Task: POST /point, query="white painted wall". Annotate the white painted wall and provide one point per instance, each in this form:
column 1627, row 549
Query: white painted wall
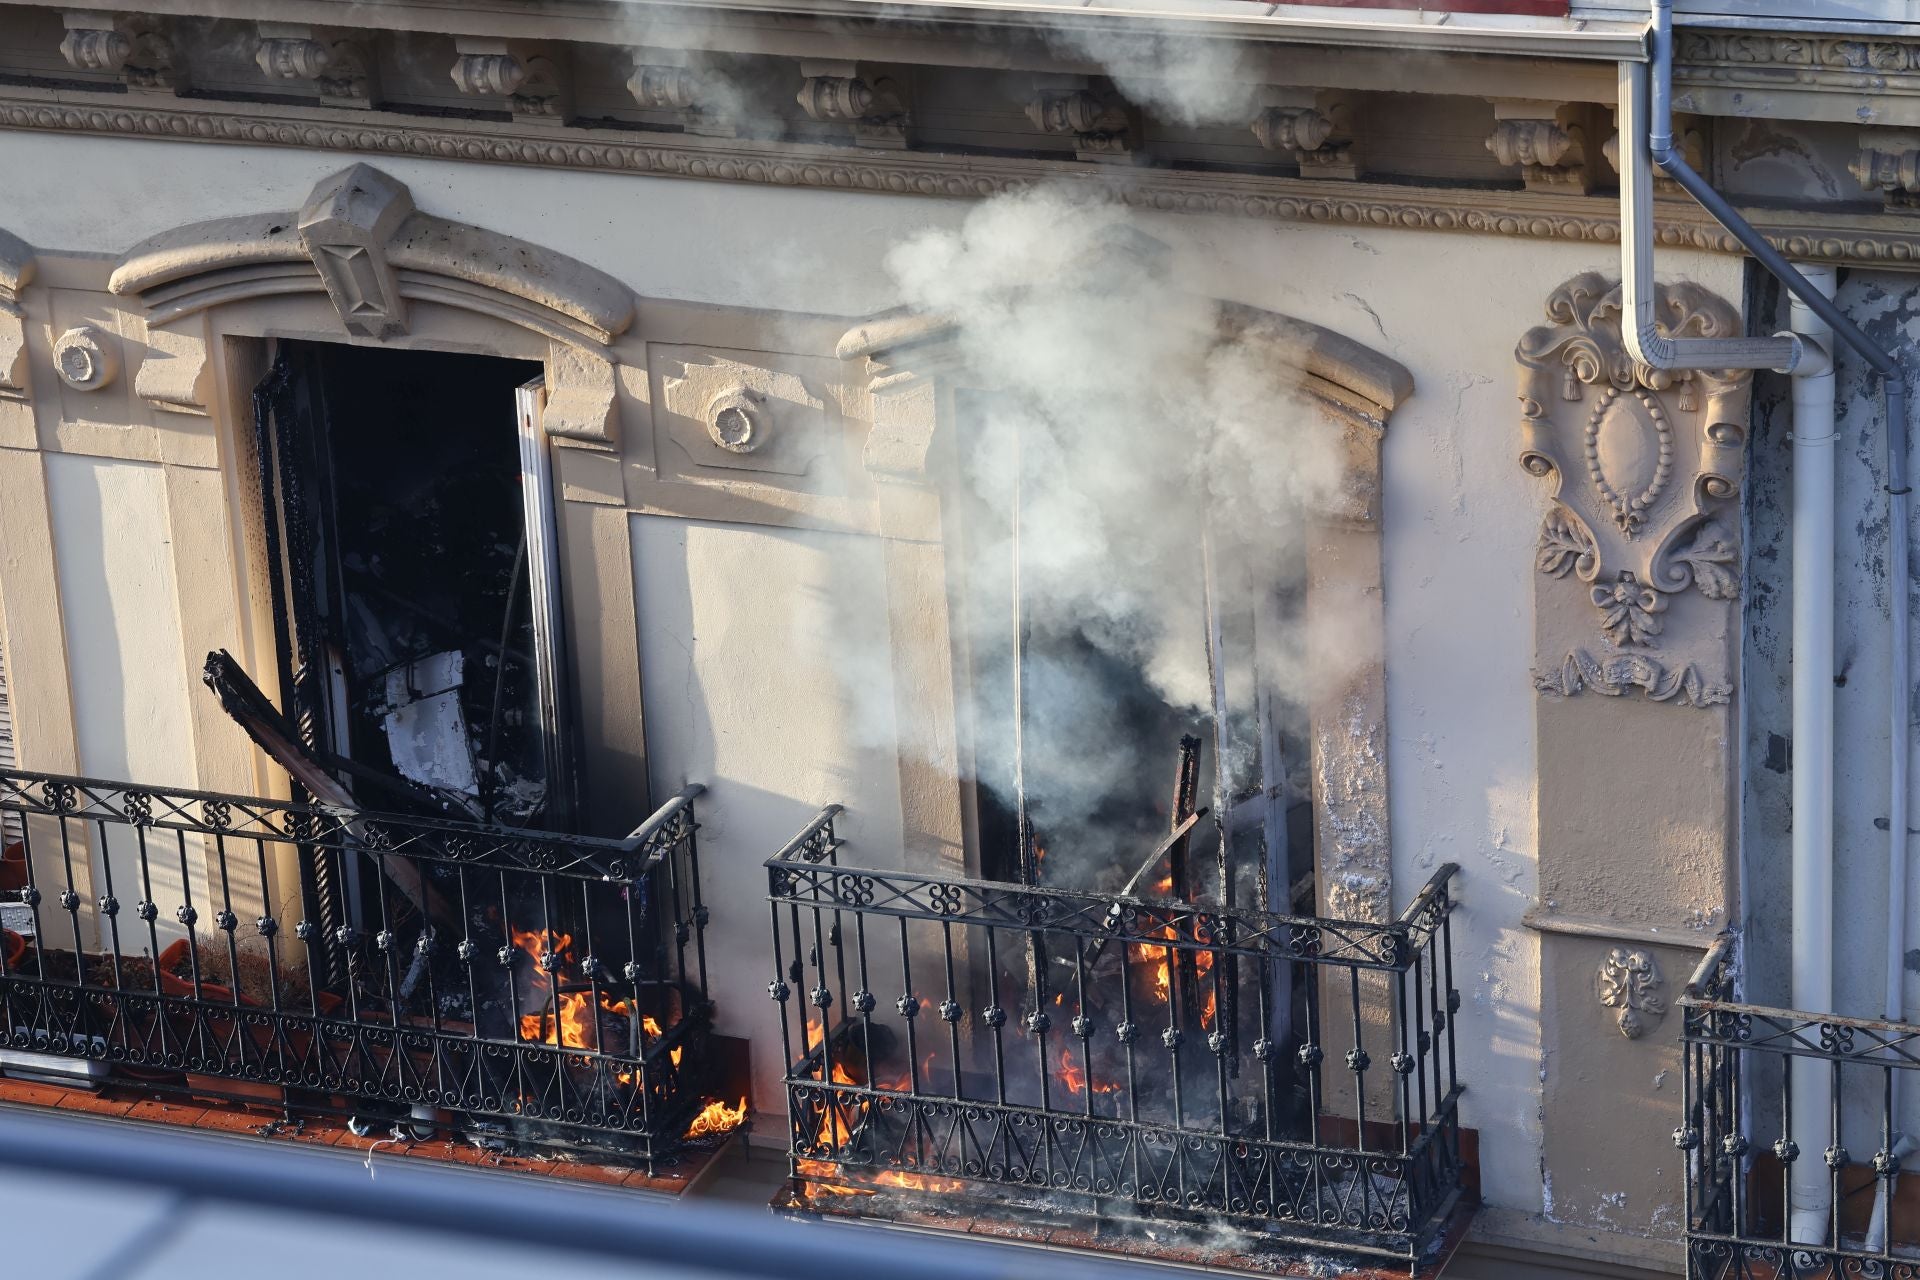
column 121, row 615
column 1460, row 514
column 744, row 636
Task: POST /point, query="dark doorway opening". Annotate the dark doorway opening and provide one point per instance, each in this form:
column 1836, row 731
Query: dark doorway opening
column 404, row 541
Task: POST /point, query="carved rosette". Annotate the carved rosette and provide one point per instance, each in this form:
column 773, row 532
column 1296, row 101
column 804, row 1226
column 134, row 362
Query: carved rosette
column 1645, row 468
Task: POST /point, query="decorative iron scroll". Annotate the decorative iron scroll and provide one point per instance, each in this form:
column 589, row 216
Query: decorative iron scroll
column 1645, row 468
column 536, row 987
column 1738, row 1151
column 947, row 1034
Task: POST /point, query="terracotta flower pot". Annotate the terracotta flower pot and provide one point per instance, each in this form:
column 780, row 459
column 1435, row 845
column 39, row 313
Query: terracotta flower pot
column 12, row 948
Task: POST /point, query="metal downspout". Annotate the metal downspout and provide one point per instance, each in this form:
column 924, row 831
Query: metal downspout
column 1646, row 130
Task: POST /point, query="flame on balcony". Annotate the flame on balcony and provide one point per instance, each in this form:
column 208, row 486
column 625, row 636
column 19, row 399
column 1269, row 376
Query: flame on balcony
column 717, row 1118
column 570, row 1022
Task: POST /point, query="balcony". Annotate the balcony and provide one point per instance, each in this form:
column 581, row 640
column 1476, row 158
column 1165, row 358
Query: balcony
column 1778, row 1099
column 1138, row 1065
column 515, row 986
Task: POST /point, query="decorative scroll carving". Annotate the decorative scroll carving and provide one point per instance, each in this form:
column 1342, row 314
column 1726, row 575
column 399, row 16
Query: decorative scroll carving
column 339, row 69
column 1101, row 126
column 1645, row 466
column 1623, row 673
column 136, row 48
column 1629, row 981
column 1310, row 125
column 693, row 93
column 1530, row 142
column 1889, row 162
column 1546, row 141
column 484, row 68
column 291, row 57
column 837, row 91
column 96, row 49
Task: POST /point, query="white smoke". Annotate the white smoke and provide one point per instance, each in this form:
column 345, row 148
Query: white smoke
column 1177, row 76
column 1120, row 427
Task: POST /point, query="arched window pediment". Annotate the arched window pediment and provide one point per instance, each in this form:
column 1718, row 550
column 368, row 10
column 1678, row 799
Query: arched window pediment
column 360, row 241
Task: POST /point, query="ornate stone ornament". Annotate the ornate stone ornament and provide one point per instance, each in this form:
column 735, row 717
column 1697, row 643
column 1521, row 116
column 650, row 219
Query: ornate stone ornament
column 1097, row 120
column 1645, row 468
column 85, row 358
column 1629, row 982
column 841, row 91
column 736, row 422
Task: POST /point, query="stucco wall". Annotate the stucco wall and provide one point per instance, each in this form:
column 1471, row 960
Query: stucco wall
column 1460, row 515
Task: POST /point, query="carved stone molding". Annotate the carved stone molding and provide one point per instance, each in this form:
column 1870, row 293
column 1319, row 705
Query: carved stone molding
column 1842, row 238
column 1846, row 80
column 1645, row 468
column 360, row 242
column 16, row 273
column 1628, row 981
column 839, row 92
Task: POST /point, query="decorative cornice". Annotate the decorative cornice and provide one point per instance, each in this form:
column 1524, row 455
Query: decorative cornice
column 1847, row 239
column 1882, row 64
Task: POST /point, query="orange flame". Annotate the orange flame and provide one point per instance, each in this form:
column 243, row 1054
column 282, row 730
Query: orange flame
column 652, row 1028
column 1075, row 1079
column 717, row 1117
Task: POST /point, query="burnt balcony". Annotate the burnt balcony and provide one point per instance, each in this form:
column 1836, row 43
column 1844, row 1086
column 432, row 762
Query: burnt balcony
column 515, row 986
column 1790, row 1108
column 1129, row 1062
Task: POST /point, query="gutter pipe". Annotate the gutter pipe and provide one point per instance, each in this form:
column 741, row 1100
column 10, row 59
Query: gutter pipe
column 1646, row 130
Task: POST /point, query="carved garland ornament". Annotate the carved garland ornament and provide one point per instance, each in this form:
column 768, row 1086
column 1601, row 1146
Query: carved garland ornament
column 1629, row 981
column 1646, row 513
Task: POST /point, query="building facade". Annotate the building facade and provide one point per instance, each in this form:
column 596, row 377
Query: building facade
column 1078, row 447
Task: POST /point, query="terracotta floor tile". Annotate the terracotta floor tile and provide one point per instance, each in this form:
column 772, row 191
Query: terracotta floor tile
column 233, row 1120
column 159, row 1112
column 31, row 1093
column 671, row 1183
column 582, row 1171
column 96, row 1104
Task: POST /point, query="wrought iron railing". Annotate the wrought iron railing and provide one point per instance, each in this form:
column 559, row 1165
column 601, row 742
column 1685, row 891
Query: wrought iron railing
column 1295, row 1075
column 1772, row 1096
column 529, row 986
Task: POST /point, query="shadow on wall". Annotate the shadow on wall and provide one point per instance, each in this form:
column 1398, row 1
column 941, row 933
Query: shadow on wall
column 746, row 636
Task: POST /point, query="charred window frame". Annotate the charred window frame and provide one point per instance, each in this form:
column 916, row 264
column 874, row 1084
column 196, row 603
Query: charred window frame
column 413, row 580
